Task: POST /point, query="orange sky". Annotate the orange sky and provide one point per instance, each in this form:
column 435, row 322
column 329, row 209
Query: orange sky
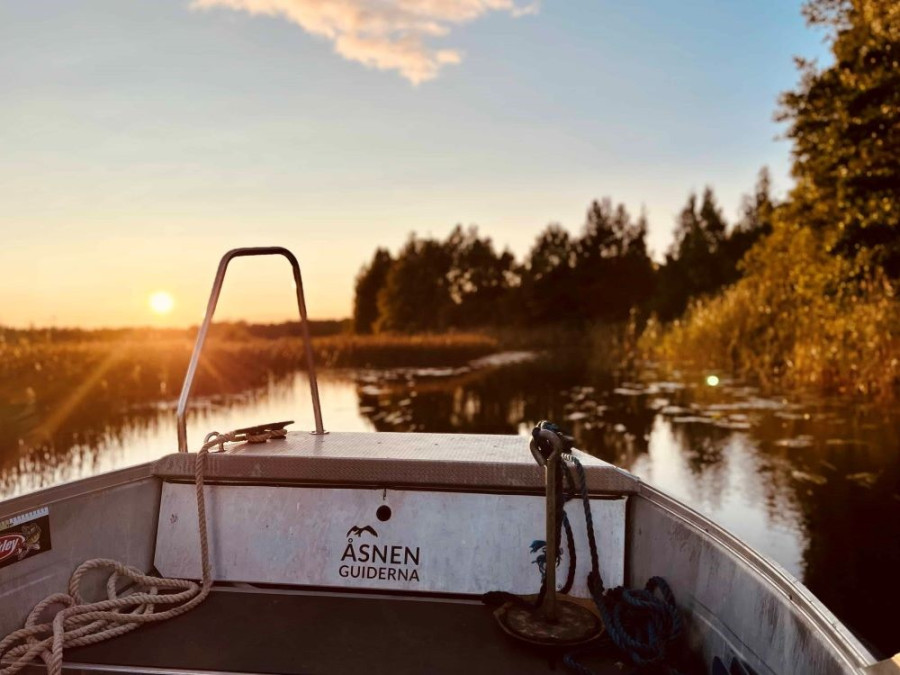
column 110, row 283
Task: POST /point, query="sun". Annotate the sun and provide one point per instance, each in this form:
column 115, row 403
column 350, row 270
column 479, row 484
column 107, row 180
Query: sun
column 161, row 302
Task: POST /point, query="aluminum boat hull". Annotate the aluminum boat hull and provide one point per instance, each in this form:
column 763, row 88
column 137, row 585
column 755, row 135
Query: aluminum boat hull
column 281, row 519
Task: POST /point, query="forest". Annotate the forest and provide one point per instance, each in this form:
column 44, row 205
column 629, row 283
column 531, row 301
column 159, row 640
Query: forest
column 797, row 292
column 603, row 274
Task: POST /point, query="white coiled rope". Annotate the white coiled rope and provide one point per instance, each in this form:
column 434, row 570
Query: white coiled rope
column 78, row 623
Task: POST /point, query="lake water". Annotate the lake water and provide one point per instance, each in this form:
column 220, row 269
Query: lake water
column 813, row 483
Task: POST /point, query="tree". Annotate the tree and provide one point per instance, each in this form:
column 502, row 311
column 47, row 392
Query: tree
column 758, row 212
column 416, row 295
column 369, row 282
column 697, row 263
column 612, row 269
column 636, row 271
column 844, row 121
column 816, row 304
column 478, row 278
column 549, row 294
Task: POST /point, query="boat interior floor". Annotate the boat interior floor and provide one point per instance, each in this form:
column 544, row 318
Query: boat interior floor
column 273, row 631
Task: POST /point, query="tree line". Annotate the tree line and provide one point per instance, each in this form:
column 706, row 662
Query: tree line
column 828, row 249
column 602, row 274
column 817, row 302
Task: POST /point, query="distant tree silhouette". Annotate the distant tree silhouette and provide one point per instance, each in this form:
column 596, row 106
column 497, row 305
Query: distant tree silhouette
column 637, row 272
column 416, row 294
column 697, row 263
column 758, row 211
column 603, row 275
column 549, row 292
column 613, row 272
column 479, row 280
column 369, row 282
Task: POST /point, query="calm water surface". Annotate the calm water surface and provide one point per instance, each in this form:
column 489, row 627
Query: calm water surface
column 814, row 484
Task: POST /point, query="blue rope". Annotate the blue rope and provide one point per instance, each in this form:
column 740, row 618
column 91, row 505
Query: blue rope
column 642, row 623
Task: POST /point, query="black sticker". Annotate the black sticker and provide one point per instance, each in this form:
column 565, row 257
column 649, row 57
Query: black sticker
column 24, row 536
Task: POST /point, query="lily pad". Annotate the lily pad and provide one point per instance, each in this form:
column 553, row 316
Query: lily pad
column 817, row 479
column 865, row 479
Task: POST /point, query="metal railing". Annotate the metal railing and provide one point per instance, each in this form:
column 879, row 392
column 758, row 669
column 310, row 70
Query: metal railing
column 207, row 320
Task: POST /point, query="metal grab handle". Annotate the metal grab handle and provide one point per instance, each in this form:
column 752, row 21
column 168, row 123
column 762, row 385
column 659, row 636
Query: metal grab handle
column 207, row 320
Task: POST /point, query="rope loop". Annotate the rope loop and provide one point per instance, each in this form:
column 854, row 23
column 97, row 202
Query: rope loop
column 642, row 623
column 65, row 620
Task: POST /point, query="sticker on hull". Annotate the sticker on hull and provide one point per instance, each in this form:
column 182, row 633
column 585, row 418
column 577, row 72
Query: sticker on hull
column 370, row 560
column 24, row 536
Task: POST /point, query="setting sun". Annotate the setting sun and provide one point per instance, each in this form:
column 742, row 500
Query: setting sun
column 161, row 302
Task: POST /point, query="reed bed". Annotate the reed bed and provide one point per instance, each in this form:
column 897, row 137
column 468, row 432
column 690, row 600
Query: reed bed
column 37, row 371
column 801, row 318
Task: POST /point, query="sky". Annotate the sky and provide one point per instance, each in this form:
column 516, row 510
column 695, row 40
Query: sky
column 141, row 139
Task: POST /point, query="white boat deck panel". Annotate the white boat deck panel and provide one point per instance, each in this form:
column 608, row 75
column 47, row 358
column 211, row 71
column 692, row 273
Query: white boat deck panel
column 451, row 461
column 446, row 508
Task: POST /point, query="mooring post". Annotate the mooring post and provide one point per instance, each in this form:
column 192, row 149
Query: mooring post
column 557, row 621
column 551, row 473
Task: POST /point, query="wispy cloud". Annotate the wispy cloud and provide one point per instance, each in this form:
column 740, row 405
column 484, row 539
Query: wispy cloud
column 383, row 34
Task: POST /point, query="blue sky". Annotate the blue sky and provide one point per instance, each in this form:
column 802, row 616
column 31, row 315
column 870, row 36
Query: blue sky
column 142, row 138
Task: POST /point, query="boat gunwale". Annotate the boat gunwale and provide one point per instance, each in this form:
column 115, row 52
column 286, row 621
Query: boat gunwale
column 53, row 494
column 842, row 640
column 244, row 464
column 76, row 666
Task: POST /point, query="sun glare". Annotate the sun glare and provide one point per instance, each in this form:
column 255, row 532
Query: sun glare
column 161, row 302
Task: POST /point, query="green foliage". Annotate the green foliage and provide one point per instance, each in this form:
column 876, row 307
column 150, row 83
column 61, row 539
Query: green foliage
column 806, row 288
column 434, row 285
column 462, row 282
column 479, row 279
column 794, row 320
column 802, row 315
column 599, row 276
column 613, row 272
column 416, row 293
column 369, row 282
column 698, row 263
column 845, row 125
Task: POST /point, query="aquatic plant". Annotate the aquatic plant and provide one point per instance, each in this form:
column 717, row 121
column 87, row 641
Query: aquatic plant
column 801, row 317
column 51, row 377
column 817, row 305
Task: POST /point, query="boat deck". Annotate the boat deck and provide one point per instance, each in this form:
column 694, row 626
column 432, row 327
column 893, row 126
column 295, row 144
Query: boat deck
column 474, row 462
column 272, row 631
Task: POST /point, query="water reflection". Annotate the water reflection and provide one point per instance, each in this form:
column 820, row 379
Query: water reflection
column 93, row 439
column 813, row 483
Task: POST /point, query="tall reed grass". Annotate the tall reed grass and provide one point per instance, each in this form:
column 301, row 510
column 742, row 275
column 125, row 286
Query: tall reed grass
column 121, row 372
column 800, row 317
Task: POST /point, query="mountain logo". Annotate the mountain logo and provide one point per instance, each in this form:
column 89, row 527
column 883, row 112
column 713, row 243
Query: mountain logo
column 356, row 530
